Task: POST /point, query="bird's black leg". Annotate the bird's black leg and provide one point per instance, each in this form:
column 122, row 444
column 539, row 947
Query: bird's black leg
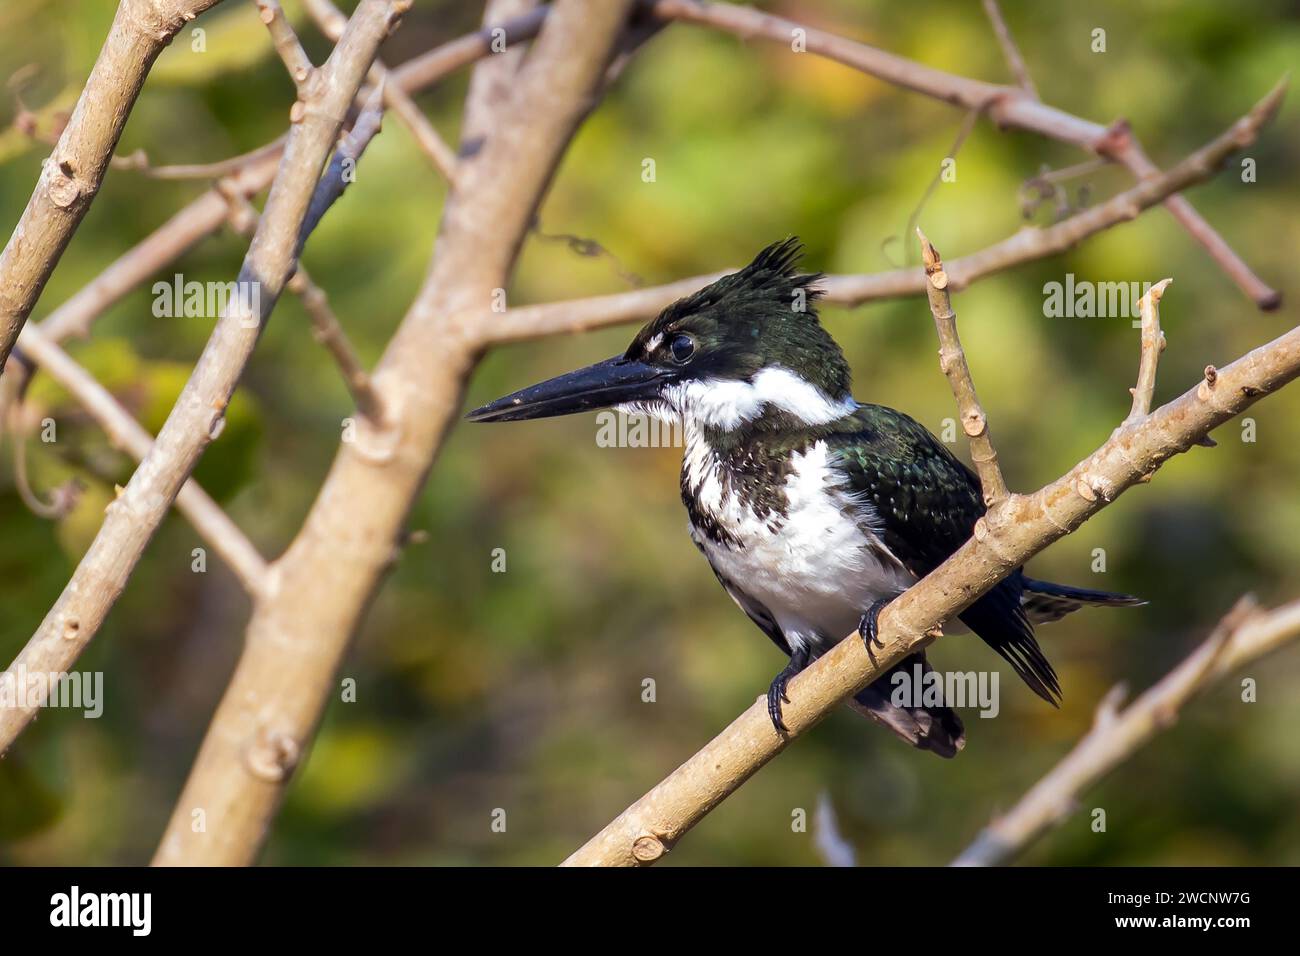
column 868, row 627
column 776, row 691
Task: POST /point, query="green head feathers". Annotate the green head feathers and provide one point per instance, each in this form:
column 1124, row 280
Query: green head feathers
column 763, row 316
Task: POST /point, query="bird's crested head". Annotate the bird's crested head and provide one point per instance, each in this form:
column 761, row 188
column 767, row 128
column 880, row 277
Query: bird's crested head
column 745, row 347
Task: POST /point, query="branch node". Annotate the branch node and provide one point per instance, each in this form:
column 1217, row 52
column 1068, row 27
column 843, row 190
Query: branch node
column 272, row 756
column 648, row 848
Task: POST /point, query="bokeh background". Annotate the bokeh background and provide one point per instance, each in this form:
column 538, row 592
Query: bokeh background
column 522, row 690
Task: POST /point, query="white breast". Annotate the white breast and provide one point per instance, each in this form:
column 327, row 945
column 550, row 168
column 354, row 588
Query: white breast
column 818, row 568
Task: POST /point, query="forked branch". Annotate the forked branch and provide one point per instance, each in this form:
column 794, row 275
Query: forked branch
column 72, row 175
column 1245, row 635
column 198, row 415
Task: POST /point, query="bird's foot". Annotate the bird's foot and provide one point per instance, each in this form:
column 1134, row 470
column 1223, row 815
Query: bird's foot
column 776, row 690
column 868, row 627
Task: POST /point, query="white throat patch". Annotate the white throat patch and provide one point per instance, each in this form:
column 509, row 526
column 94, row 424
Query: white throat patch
column 726, row 404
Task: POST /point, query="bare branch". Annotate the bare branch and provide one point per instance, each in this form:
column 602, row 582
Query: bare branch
column 1153, row 343
column 1027, row 245
column 426, row 69
column 331, row 23
column 418, row 73
column 1014, row 530
column 124, row 432
column 1009, row 49
column 326, row 327
column 198, row 416
column 328, row 331
column 1245, row 635
column 329, row 573
column 286, row 42
column 248, row 175
column 138, row 162
column 1007, row 106
column 137, row 265
column 72, row 175
column 952, row 361
column 492, row 81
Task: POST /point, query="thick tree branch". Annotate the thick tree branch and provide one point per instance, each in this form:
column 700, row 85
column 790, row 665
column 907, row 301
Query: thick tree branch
column 493, row 79
column 1011, row 532
column 198, row 415
column 1027, row 245
column 952, row 362
column 245, row 176
column 327, row 577
column 1245, row 635
column 1007, row 106
column 72, row 175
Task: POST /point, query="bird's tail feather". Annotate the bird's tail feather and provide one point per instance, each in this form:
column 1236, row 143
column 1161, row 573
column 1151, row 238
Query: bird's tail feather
column 934, row 728
column 1044, row 601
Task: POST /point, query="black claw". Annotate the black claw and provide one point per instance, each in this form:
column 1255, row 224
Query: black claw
column 868, row 627
column 775, row 694
column 776, row 690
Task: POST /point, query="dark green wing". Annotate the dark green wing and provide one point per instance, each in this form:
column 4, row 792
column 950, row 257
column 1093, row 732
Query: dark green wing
column 926, row 504
column 927, row 500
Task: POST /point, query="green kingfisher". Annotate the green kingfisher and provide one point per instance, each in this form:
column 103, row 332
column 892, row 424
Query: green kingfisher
column 813, row 509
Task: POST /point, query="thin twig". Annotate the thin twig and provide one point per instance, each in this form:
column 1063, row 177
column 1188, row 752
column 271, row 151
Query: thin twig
column 328, row 331
column 326, row 328
column 331, row 22
column 1009, row 50
column 1026, row 245
column 286, row 42
column 62, row 499
column 963, row 132
column 1245, row 635
column 138, row 161
column 952, row 361
column 1006, row 106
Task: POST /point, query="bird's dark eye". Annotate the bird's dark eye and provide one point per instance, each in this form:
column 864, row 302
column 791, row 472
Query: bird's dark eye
column 683, row 347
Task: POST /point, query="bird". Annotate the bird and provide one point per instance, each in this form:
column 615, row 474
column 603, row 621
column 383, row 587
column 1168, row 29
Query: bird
column 814, row 510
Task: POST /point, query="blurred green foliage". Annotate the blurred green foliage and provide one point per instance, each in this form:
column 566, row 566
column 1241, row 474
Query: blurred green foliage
column 522, row 690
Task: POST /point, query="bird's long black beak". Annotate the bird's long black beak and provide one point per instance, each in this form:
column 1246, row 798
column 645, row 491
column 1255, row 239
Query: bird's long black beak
column 611, row 382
